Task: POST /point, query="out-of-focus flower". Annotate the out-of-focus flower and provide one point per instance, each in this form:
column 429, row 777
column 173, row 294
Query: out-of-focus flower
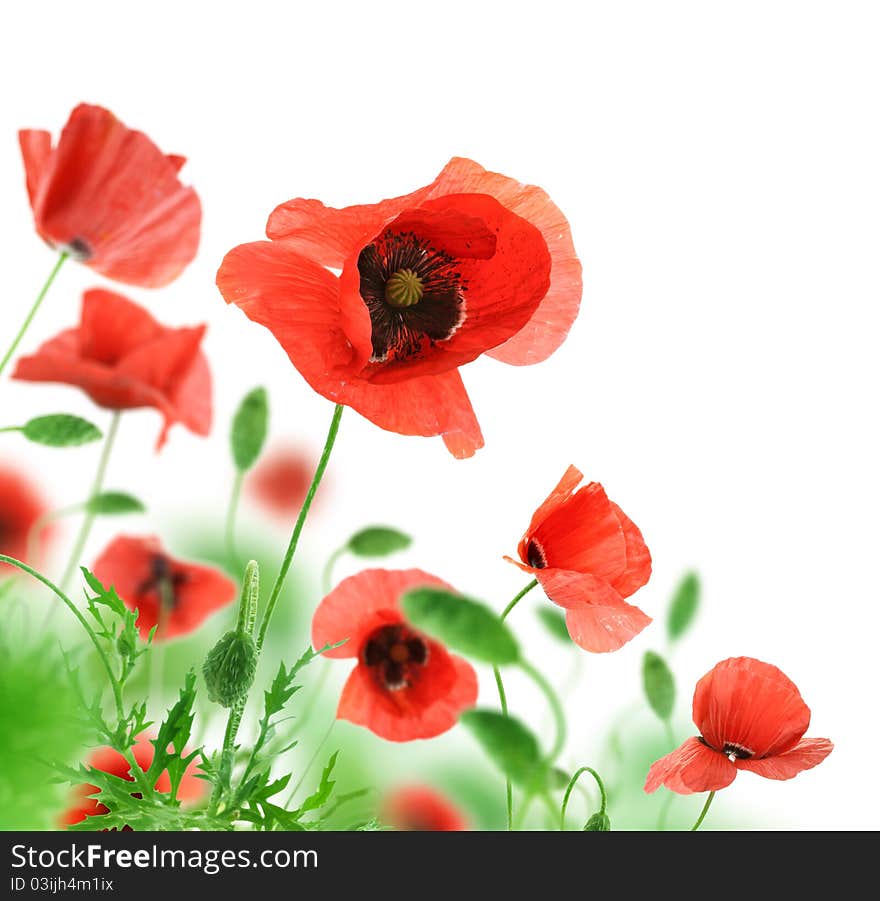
column 474, row 263
column 588, row 556
column 280, row 480
column 124, row 359
column 418, row 808
column 405, row 685
column 173, row 594
column 111, row 199
column 751, row 717
column 107, row 760
column 20, row 507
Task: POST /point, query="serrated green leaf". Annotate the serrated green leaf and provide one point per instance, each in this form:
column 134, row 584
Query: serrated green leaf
column 659, row 684
column 462, row 624
column 114, row 503
column 554, row 622
column 173, row 734
column 322, row 794
column 61, row 430
column 509, row 744
column 683, row 607
column 378, row 541
column 249, row 427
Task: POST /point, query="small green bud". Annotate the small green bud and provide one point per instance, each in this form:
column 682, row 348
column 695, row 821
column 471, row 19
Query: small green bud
column 124, row 644
column 230, row 668
column 598, row 822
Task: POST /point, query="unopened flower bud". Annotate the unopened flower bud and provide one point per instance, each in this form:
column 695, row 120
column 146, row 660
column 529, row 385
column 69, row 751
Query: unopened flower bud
column 125, row 644
column 598, row 822
column 230, row 668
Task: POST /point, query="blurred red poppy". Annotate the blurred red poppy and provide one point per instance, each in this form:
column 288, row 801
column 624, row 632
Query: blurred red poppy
column 417, row 808
column 107, row 760
column 20, row 507
column 281, row 479
column 405, row 685
column 473, row 263
column 110, row 198
column 588, row 556
column 751, row 717
column 172, row 594
column 124, row 359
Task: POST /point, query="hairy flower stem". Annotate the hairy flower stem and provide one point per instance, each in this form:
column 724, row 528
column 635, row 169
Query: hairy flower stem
column 570, row 789
column 502, row 695
column 89, row 520
column 33, row 312
column 300, row 522
column 703, row 812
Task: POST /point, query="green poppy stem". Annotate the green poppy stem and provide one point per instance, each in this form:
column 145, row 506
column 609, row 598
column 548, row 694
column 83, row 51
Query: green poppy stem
column 703, row 812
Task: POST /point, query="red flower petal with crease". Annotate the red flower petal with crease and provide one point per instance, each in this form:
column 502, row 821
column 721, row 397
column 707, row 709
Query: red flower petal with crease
column 20, row 507
column 751, row 717
column 405, row 686
column 124, row 359
column 474, row 263
column 172, row 594
column 417, row 808
column 109, row 197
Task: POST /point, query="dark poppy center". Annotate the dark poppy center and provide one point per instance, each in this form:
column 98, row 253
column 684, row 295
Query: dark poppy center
column 78, row 249
column 395, row 654
column 535, row 555
column 164, row 581
column 414, row 293
column 740, row 752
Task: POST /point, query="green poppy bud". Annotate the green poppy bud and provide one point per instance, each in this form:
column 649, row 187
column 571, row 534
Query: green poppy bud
column 598, row 822
column 230, row 668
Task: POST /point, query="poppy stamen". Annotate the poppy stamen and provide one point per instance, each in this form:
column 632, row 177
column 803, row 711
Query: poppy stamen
column 535, row 555
column 395, row 653
column 735, row 751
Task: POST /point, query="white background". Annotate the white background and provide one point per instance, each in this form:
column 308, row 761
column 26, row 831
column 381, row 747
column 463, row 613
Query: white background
column 719, row 166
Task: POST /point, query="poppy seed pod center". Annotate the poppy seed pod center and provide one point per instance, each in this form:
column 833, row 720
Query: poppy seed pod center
column 164, row 581
column 395, row 654
column 404, row 288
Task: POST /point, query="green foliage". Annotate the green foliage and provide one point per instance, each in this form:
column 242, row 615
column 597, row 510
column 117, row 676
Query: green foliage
column 659, row 684
column 378, row 541
column 510, row 745
column 598, row 822
column 114, row 503
column 230, row 667
column 249, row 428
column 683, row 607
column 462, row 624
column 554, row 623
column 60, row 430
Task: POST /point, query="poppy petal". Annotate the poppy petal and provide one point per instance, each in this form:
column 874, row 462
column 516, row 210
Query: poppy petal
column 752, row 704
column 362, row 603
column 551, row 322
column 557, row 497
column 111, row 190
column 691, row 768
column 36, row 152
column 638, row 557
column 806, row 754
column 419, row 808
column 112, row 326
column 20, row 508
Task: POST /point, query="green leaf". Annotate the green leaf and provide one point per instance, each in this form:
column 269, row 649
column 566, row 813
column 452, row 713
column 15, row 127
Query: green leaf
column 510, row 745
column 114, row 503
column 659, row 684
column 60, row 430
column 463, row 624
column 554, row 622
column 174, row 734
column 249, row 427
column 683, row 607
column 321, row 795
column 378, row 541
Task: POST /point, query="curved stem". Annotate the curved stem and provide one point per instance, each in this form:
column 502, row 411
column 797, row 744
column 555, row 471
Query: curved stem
column 570, row 789
column 105, row 660
column 300, row 522
column 33, row 311
column 555, row 705
column 327, row 575
column 518, row 598
column 502, row 696
column 86, row 528
column 235, row 497
column 703, row 812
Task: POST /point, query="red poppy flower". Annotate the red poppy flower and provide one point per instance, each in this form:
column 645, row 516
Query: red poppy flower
column 417, row 808
column 473, row 263
column 175, row 595
column 124, row 359
column 588, row 556
column 107, row 760
column 751, row 717
column 20, row 507
column 405, row 685
column 281, row 479
column 110, row 198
